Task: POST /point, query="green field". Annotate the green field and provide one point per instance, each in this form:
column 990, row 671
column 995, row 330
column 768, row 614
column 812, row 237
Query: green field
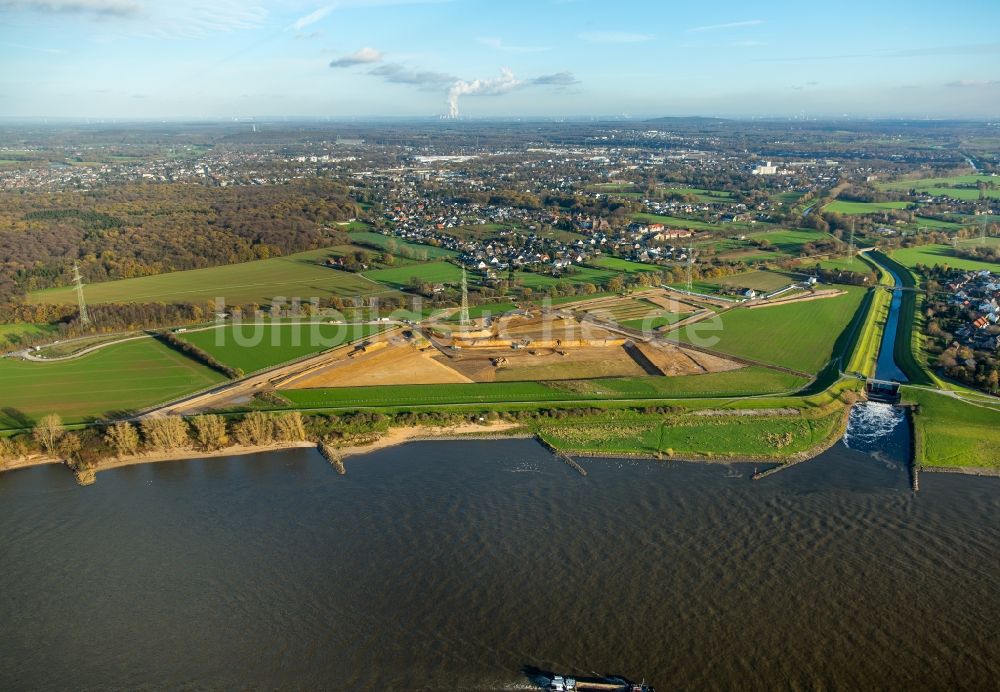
column 847, row 264
column 923, row 222
column 676, row 222
column 787, row 197
column 122, row 377
column 253, row 347
column 622, row 266
column 980, row 242
column 22, row 329
column 962, row 193
column 790, row 241
column 431, row 273
column 802, row 336
column 490, row 309
column 950, row 432
column 707, row 196
column 929, row 183
column 300, row 275
column 579, row 275
column 763, row 280
column 931, row 255
column 745, row 382
column 742, row 437
column 859, row 208
column 404, row 248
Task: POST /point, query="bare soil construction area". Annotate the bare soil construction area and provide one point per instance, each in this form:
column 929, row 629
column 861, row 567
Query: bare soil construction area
column 513, row 348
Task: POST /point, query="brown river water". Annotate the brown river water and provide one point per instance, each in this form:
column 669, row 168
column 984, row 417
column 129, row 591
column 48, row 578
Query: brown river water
column 457, row 565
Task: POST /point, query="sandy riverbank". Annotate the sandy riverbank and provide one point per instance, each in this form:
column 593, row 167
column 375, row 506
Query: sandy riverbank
column 395, row 436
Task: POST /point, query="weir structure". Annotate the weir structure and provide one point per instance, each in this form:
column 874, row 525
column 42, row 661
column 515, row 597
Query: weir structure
column 885, row 391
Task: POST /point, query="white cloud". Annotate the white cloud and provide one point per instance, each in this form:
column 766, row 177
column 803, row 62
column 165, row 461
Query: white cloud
column 727, row 25
column 974, row 83
column 499, row 44
column 153, row 19
column 614, row 37
column 362, row 56
column 120, row 8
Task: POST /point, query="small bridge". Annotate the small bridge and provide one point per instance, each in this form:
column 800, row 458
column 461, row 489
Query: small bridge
column 885, row 391
column 912, row 289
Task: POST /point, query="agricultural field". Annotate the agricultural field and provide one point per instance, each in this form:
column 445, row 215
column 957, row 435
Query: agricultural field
column 790, row 241
column 580, row 275
column 950, row 432
column 253, row 347
column 404, row 248
column 676, row 222
column 707, row 196
column 787, row 197
column 860, row 208
column 931, row 183
column 923, row 222
column 117, row 378
column 847, row 264
column 10, row 333
column 746, row 381
column 802, row 336
column 622, row 266
column 432, row 273
column 762, row 280
column 611, row 187
column 931, row 255
column 636, row 310
column 962, row 193
column 980, row 242
column 301, row 275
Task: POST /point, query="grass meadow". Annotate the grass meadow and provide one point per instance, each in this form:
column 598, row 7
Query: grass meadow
column 253, row 347
column 122, row 377
column 860, row 208
column 300, row 275
column 931, row 255
column 801, row 336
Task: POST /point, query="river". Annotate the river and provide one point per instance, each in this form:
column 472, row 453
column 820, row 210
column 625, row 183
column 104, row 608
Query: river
column 452, row 565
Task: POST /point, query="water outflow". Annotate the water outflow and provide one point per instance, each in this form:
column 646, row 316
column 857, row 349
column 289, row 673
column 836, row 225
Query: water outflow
column 876, row 428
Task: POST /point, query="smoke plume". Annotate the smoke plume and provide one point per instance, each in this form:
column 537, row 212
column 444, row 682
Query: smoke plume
column 497, row 85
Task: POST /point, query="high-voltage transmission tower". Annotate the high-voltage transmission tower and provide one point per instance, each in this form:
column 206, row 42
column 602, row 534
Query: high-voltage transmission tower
column 464, row 317
column 690, row 263
column 78, row 282
column 850, row 249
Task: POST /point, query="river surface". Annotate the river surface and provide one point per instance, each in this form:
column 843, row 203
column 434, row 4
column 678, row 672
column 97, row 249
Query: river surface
column 453, row 565
column 886, row 367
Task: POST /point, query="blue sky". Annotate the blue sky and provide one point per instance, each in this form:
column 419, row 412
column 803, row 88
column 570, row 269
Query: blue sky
column 240, row 58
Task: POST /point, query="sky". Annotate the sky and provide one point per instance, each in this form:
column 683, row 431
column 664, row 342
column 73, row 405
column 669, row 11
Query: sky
column 498, row 58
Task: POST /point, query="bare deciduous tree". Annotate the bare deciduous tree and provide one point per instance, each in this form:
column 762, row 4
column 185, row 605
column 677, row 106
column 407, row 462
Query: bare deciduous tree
column 123, row 437
column 48, row 431
column 211, row 431
column 255, row 429
column 288, row 427
column 165, row 433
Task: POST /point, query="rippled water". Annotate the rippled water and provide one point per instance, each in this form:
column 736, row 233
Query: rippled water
column 442, row 566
